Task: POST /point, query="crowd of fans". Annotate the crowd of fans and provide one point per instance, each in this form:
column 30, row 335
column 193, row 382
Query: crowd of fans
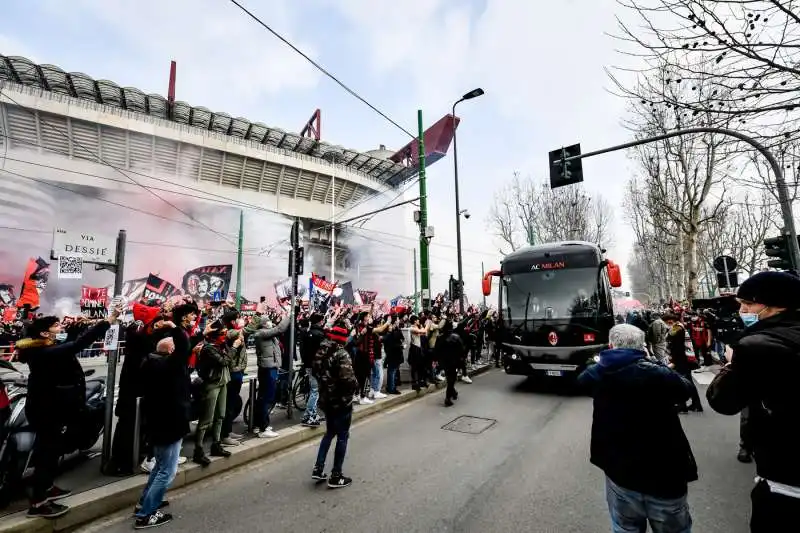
column 188, row 362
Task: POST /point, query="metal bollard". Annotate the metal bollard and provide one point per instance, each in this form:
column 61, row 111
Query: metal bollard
column 252, row 393
column 137, row 428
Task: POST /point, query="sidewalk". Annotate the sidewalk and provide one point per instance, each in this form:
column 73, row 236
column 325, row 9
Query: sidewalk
column 95, row 495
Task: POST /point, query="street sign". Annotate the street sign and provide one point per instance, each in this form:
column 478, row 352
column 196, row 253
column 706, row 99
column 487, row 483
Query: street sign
column 564, row 172
column 725, row 263
column 89, row 246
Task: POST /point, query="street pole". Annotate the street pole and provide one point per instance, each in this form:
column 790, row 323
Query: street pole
column 780, row 182
column 113, row 355
column 458, row 213
column 239, row 257
column 333, row 226
column 423, row 218
column 416, row 290
column 295, row 240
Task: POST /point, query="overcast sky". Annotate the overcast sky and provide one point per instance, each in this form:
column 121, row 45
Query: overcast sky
column 540, row 63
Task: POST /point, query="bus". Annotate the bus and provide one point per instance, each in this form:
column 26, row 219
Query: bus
column 555, row 307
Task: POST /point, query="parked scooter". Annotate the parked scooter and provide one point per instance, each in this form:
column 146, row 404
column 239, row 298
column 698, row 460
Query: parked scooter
column 17, row 437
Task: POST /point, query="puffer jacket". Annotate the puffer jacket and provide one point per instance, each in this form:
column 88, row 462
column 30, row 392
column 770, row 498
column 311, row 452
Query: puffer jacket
column 773, row 398
column 268, row 349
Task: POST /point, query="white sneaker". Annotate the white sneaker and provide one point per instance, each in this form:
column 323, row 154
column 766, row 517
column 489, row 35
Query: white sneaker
column 148, row 466
column 365, row 401
column 440, row 378
column 466, row 379
column 371, row 395
column 181, row 460
column 268, row 434
column 378, row 395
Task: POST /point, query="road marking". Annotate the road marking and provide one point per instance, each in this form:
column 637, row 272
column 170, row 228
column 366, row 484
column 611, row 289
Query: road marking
column 703, row 378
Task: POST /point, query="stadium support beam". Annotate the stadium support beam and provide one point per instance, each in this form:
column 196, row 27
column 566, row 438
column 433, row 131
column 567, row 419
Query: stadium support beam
column 173, row 67
column 313, row 128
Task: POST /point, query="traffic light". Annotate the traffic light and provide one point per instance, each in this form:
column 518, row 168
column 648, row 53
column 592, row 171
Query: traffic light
column 564, row 172
column 778, row 247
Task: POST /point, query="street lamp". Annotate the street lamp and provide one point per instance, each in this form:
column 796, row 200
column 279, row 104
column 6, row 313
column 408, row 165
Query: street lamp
column 474, row 93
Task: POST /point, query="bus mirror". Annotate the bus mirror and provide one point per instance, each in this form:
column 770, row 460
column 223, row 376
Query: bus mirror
column 614, row 275
column 486, row 286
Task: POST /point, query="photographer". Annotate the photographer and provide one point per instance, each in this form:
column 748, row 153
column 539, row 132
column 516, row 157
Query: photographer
column 769, row 303
column 56, row 393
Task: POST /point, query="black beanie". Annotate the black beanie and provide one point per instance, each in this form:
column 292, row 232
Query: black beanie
column 773, row 289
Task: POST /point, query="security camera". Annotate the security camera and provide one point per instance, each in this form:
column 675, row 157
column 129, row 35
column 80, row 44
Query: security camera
column 466, row 214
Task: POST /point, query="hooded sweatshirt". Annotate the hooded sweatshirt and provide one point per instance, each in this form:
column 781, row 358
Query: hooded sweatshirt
column 763, row 376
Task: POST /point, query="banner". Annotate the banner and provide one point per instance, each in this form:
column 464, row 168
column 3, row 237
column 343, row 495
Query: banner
column 283, row 289
column 9, row 314
column 367, row 297
column 94, row 302
column 249, row 309
column 7, row 296
column 208, row 283
column 320, row 293
column 133, row 289
column 348, row 296
column 158, row 290
column 34, row 283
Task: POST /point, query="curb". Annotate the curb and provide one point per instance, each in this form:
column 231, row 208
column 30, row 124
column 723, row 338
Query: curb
column 96, row 503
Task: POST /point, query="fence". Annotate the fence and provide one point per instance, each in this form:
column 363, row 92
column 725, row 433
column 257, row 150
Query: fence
column 95, row 350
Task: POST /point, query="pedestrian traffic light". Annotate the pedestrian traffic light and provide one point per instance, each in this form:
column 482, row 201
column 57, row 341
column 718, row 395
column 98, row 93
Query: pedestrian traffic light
column 563, row 172
column 778, row 247
column 296, row 266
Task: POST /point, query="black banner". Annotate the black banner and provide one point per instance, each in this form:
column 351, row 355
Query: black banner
column 158, row 290
column 208, row 283
column 7, row 296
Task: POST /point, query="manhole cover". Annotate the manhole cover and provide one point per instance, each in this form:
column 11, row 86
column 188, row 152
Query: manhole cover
column 473, row 425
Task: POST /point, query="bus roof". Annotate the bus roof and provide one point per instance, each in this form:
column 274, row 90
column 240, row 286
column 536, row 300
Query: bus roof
column 561, row 248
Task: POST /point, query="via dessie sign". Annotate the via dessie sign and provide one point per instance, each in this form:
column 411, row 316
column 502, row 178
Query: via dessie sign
column 89, row 246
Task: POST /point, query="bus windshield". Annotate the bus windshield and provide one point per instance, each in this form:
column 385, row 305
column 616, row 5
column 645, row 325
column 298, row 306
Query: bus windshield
column 550, row 294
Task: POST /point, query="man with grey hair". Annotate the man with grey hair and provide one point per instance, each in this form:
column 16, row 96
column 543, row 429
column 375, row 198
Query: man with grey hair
column 634, row 406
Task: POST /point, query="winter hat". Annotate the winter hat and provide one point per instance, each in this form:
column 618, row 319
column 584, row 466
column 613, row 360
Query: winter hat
column 337, row 334
column 773, row 289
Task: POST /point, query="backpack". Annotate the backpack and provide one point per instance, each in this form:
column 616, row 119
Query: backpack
column 326, row 370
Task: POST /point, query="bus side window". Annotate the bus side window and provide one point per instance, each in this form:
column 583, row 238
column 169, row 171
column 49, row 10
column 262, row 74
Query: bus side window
column 605, row 288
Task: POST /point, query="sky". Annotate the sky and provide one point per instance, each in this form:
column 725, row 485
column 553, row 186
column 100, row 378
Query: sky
column 541, row 65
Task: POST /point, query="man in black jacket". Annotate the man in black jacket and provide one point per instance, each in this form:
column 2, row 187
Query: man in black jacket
column 56, row 393
column 167, row 411
column 762, row 376
column 634, row 406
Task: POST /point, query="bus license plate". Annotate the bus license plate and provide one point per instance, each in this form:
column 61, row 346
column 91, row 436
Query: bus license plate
column 554, row 373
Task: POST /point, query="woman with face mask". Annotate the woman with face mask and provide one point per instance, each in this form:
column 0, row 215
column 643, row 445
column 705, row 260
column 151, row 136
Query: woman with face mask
column 56, row 392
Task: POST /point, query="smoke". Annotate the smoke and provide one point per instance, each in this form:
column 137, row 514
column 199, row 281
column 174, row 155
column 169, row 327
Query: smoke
column 173, row 244
column 66, row 307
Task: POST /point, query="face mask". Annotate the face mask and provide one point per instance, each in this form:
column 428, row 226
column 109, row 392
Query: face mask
column 749, row 318
column 60, row 337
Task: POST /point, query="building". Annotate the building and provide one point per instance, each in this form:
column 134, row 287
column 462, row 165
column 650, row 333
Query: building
column 77, row 152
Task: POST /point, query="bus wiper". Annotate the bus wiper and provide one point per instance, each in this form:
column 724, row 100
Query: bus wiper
column 527, row 305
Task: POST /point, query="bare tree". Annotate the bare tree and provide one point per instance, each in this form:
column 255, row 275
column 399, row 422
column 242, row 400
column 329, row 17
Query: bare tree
column 746, row 51
column 529, row 212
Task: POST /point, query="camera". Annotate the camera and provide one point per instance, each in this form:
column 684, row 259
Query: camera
column 467, row 214
column 722, row 315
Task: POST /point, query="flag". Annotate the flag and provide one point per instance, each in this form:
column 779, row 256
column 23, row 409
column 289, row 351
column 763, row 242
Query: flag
column 158, row 290
column 34, row 283
column 367, row 297
column 7, row 296
column 208, row 283
column 320, row 293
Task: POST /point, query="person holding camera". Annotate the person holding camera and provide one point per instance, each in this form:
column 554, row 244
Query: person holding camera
column 762, row 377
column 56, row 393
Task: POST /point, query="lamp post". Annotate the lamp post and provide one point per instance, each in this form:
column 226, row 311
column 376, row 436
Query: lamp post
column 468, row 96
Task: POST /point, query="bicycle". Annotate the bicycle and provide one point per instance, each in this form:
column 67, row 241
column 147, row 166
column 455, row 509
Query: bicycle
column 301, row 391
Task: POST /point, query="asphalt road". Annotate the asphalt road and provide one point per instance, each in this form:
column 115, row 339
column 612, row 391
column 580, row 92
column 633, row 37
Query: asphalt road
column 528, row 472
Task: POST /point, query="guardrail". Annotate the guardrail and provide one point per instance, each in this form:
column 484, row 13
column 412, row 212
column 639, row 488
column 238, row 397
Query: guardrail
column 95, row 350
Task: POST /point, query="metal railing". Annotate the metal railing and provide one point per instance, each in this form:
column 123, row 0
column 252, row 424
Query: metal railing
column 95, row 350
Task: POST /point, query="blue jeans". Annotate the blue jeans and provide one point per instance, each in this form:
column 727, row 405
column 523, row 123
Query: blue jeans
column 313, row 396
column 391, row 378
column 267, row 385
column 337, row 425
column 161, row 477
column 377, row 375
column 631, row 511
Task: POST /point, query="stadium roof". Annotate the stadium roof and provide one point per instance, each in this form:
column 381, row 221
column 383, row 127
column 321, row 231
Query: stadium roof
column 76, row 84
